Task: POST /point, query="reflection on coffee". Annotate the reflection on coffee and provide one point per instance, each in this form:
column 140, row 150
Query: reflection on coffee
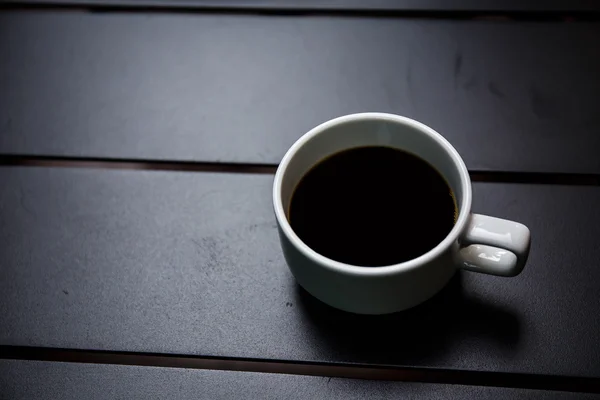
column 372, row 206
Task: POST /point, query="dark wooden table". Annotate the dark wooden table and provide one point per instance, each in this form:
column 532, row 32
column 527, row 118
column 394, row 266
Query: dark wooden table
column 138, row 251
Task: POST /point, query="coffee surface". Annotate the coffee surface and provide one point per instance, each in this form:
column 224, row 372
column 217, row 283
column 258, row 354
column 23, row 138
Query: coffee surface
column 372, row 206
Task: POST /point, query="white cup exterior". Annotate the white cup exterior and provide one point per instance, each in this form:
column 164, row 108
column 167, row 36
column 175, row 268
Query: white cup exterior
column 387, row 289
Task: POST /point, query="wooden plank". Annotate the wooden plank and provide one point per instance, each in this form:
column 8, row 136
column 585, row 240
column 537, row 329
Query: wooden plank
column 63, row 381
column 512, row 96
column 190, row 263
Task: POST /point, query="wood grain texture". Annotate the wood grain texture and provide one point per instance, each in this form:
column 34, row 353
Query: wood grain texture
column 511, row 96
column 190, row 263
column 64, row 381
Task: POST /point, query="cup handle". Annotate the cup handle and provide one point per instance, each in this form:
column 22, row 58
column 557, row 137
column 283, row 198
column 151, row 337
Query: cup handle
column 494, row 246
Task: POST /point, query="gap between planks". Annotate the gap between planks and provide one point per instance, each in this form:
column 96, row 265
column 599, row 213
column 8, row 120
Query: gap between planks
column 573, row 179
column 322, row 369
column 262, row 8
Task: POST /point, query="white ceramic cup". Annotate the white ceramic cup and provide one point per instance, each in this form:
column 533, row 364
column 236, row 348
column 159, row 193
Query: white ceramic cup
column 476, row 243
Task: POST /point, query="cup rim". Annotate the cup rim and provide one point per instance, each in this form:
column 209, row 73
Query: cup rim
column 405, row 266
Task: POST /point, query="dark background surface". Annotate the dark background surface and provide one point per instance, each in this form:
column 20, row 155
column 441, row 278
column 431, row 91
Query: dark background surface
column 435, row 6
column 177, row 269
column 186, row 263
column 64, row 381
column 511, row 96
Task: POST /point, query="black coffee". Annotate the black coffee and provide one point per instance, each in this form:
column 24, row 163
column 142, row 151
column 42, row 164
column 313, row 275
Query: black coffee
column 372, row 206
